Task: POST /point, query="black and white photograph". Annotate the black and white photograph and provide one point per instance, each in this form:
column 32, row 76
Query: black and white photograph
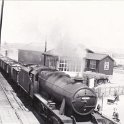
column 61, row 61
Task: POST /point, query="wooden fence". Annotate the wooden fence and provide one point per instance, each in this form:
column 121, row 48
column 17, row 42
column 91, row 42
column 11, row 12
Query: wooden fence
column 109, row 91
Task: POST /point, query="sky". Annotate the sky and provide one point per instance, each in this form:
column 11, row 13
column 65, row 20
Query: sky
column 91, row 23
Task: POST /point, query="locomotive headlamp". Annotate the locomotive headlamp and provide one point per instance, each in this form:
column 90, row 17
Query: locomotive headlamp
column 83, row 98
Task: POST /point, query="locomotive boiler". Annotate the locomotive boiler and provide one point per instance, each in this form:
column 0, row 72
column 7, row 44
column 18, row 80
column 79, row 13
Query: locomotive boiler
column 72, row 97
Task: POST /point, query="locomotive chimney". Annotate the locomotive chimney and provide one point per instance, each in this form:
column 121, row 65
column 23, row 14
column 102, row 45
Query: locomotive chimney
column 78, row 79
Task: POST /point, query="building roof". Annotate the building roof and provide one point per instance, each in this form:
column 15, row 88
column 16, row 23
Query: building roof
column 51, row 53
column 96, row 56
column 91, row 56
column 62, row 52
column 89, row 50
column 59, row 53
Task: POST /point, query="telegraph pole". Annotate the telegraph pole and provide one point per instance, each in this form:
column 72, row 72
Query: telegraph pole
column 45, row 51
column 1, row 19
column 45, row 46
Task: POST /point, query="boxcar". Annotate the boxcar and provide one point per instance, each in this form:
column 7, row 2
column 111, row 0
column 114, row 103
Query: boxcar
column 1, row 61
column 24, row 79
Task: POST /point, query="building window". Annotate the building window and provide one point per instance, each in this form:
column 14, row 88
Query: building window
column 92, row 64
column 68, row 64
column 50, row 62
column 63, row 65
column 106, row 66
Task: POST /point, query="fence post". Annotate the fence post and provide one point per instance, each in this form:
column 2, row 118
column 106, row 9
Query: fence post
column 105, row 92
column 109, row 91
column 102, row 101
column 118, row 90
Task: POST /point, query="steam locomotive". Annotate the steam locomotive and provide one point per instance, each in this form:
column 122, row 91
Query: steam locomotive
column 55, row 95
column 70, row 96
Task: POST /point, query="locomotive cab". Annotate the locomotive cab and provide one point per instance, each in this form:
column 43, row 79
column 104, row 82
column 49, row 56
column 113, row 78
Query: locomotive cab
column 33, row 76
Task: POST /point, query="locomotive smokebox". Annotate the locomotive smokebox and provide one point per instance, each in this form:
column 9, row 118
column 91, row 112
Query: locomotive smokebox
column 84, row 101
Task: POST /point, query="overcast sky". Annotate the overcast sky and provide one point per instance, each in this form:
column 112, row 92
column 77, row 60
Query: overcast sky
column 92, row 23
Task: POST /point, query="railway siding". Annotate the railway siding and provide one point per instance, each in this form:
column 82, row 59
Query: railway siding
column 12, row 110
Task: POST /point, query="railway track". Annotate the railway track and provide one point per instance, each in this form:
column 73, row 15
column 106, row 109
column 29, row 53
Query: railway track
column 12, row 110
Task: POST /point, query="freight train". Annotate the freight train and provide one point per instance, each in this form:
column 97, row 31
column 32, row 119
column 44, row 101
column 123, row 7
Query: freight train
column 55, row 95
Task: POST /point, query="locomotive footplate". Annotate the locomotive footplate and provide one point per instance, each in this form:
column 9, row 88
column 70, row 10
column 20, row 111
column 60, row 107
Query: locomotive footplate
column 52, row 113
column 40, row 103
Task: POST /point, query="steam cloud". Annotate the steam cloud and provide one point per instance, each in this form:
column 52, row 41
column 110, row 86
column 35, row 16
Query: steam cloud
column 66, row 45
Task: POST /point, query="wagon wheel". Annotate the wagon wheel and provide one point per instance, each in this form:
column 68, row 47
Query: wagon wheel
column 54, row 120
